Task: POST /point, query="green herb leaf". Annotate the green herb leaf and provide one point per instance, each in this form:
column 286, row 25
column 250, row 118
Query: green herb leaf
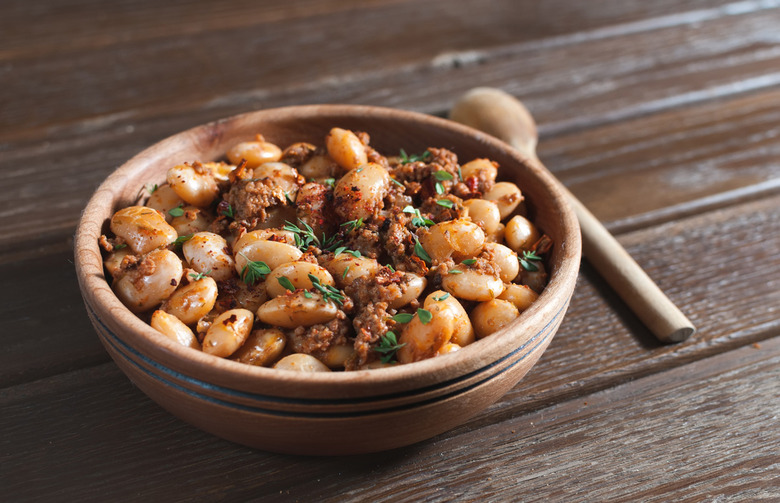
column 469, row 261
column 456, row 271
column 353, row 224
column 396, row 182
column 330, row 182
column 354, row 253
column 182, row 239
column 199, row 276
column 253, row 270
column 286, row 283
column 424, row 315
column 445, row 202
column 403, row 318
column 308, row 295
column 442, row 297
column 120, row 246
column 346, row 270
column 152, row 189
column 420, row 251
column 439, row 188
column 339, row 250
column 406, row 159
column 177, row 211
column 304, row 236
column 228, row 212
column 527, row 261
column 442, row 175
column 329, row 293
column 390, row 266
column 287, row 198
column 388, row 345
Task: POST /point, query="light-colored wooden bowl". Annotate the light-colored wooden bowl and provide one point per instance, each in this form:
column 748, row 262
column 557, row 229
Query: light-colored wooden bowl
column 338, row 412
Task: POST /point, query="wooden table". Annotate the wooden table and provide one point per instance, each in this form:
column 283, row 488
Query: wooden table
column 663, row 117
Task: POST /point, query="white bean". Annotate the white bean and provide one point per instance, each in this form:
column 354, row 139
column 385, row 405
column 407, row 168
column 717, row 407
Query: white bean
column 164, row 199
column 272, row 253
column 520, row 233
column 411, row 288
column 254, row 153
column 491, row 316
column 193, row 220
column 484, row 169
column 421, row 340
column 346, row 268
column 192, row 301
column 281, row 175
column 301, row 362
column 142, row 228
column 507, row 197
column 345, row 148
column 319, row 167
column 262, row 347
column 264, row 235
column 484, row 213
column 472, row 285
column 298, row 275
column 506, row 260
column 522, row 296
column 151, row 282
column 194, row 184
column 463, row 332
column 173, row 328
column 228, row 332
column 297, row 310
column 458, row 239
column 359, row 193
column 208, row 253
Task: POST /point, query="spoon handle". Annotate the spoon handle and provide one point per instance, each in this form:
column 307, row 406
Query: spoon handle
column 501, row 115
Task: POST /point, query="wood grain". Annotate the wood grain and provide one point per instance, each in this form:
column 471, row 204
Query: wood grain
column 81, row 153
column 661, row 116
column 574, row 450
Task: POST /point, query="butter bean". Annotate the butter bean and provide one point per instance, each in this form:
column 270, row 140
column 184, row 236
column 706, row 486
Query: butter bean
column 228, row 332
column 173, row 328
column 142, row 228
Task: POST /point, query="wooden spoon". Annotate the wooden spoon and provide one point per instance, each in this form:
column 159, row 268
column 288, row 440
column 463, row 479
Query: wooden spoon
column 501, row 115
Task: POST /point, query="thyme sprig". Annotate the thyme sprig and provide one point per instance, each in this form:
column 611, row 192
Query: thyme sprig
column 527, row 260
column 352, row 225
column 388, row 346
column 418, row 220
column 304, row 237
column 253, row 270
column 329, row 293
column 406, row 159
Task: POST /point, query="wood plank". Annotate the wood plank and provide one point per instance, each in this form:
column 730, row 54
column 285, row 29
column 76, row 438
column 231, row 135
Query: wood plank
column 159, row 73
column 81, row 154
column 89, row 436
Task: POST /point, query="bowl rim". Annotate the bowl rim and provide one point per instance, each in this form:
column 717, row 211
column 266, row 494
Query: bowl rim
column 210, row 369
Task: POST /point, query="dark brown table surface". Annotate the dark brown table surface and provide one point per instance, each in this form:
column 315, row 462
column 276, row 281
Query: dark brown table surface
column 662, row 117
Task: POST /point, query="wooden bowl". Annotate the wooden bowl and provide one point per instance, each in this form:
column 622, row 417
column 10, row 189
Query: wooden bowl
column 338, row 412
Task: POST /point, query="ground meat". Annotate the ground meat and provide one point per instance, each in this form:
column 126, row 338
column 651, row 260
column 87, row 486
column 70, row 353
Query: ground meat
column 385, row 287
column 251, row 198
column 370, row 324
column 364, row 239
column 315, row 340
column 297, row 154
column 439, row 213
column 398, row 242
column 314, row 206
